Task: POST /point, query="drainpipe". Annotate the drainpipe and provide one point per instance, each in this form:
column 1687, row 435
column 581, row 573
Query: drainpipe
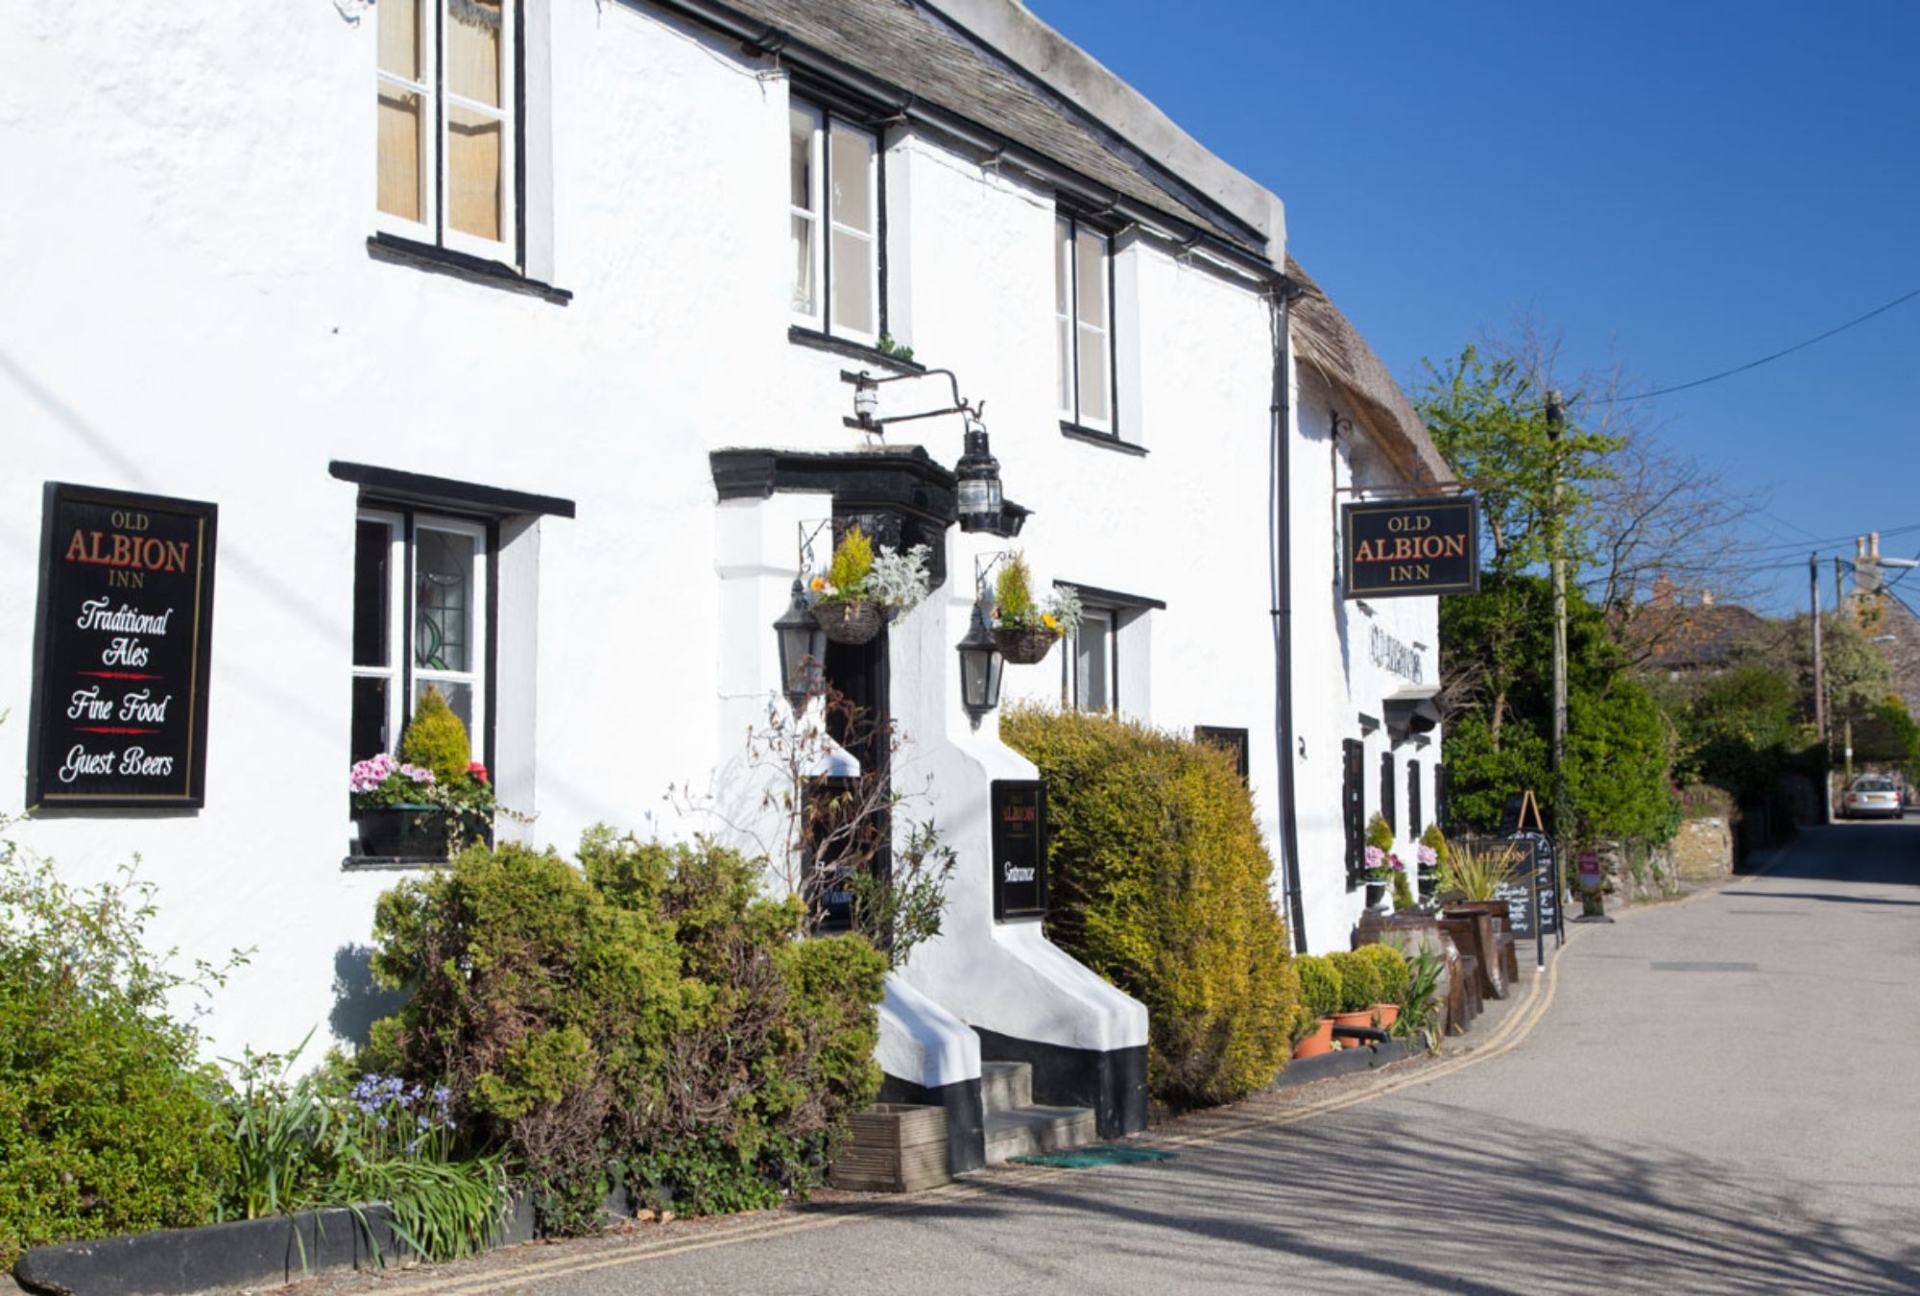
column 1280, row 520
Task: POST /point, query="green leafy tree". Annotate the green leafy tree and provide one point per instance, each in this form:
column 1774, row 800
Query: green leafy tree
column 1488, row 417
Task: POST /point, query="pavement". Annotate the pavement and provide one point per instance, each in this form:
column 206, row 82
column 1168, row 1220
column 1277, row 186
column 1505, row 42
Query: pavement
column 1713, row 1095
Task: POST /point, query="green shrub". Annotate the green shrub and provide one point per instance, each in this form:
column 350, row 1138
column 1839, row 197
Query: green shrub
column 1160, row 884
column 1389, row 971
column 436, row 740
column 1359, row 983
column 1436, row 840
column 1319, row 984
column 852, row 563
column 1402, row 891
column 653, row 1020
column 107, row 1122
column 1379, row 833
column 1013, row 590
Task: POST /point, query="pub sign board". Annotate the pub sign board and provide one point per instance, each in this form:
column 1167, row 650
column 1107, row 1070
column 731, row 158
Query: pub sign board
column 124, row 634
column 1400, row 548
column 1019, row 809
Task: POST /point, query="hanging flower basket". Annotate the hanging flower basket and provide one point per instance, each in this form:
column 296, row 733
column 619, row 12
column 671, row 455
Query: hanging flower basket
column 849, row 621
column 1024, row 645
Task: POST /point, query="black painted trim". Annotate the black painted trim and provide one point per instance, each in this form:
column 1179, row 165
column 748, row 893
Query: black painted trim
column 1106, row 598
column 1341, row 1062
column 1074, row 432
column 458, row 265
column 966, row 1116
column 1112, row 1082
column 421, row 490
column 839, row 346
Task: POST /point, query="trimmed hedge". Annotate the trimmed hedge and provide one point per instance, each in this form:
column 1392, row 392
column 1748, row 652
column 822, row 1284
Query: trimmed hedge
column 1161, row 883
column 653, row 1020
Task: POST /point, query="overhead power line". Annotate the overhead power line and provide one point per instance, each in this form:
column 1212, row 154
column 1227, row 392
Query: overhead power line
column 1768, row 359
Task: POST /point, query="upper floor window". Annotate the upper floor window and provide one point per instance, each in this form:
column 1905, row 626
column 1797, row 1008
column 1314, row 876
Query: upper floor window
column 1083, row 317
column 835, row 207
column 447, row 151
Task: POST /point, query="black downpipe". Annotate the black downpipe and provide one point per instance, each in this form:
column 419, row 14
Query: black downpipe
column 1280, row 516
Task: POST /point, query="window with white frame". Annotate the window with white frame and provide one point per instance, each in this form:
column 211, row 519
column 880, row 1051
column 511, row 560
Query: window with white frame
column 420, row 586
column 447, row 147
column 1083, row 320
column 834, row 203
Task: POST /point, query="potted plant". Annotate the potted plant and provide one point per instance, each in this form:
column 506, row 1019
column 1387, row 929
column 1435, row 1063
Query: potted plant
column 432, row 800
column 1359, row 991
column 1024, row 630
column 1429, row 858
column 1390, row 972
column 1381, row 863
column 1319, row 1000
column 862, row 589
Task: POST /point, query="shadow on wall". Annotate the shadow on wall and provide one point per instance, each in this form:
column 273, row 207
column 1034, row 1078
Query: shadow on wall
column 358, row 1000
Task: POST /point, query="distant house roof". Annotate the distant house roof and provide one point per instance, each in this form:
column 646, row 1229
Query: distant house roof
column 1328, row 341
column 921, row 58
column 1687, row 637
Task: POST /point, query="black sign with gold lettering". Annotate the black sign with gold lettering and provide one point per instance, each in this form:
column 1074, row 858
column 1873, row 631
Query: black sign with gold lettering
column 1019, row 808
column 1393, row 548
column 120, row 657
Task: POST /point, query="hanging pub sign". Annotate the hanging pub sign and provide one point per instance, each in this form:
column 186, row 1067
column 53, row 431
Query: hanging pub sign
column 119, row 717
column 1019, row 809
column 1392, row 548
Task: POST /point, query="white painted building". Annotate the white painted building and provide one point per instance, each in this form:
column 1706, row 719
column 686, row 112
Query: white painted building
column 519, row 330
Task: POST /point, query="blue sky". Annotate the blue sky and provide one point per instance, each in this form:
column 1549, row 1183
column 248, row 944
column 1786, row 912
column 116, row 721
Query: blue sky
column 1684, row 186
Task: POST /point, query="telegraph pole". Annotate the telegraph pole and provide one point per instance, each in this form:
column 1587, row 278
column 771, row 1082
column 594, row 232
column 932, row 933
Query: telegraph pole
column 1557, row 539
column 1820, row 688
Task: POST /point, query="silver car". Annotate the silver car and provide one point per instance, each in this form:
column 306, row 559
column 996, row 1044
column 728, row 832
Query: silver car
column 1872, row 796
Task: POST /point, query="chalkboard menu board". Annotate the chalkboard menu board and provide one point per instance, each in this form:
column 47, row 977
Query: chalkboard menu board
column 1019, row 808
column 120, row 669
column 1531, row 893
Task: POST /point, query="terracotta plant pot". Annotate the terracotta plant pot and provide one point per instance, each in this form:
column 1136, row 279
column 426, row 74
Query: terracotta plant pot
column 1362, row 1018
column 1386, row 1014
column 1321, row 1041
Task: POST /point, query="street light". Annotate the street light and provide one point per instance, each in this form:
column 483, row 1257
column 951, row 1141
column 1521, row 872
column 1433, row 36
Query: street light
column 980, row 667
column 803, row 648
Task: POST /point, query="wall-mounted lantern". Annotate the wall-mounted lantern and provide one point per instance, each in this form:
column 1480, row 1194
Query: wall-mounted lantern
column 803, row 649
column 980, row 503
column 980, row 667
column 978, row 499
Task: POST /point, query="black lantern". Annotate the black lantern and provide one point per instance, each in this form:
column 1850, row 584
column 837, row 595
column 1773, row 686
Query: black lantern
column 803, row 647
column 980, row 667
column 977, row 498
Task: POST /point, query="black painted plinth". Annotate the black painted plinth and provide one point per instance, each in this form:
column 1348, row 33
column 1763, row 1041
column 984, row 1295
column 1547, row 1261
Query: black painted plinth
column 1111, row 1081
column 966, row 1116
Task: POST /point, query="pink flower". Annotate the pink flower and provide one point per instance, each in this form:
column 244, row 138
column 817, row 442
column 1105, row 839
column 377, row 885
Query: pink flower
column 1426, row 856
column 477, row 772
column 1393, row 862
column 1375, row 857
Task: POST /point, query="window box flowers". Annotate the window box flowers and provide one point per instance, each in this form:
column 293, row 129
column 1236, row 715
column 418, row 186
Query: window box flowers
column 431, row 801
column 1024, row 629
column 862, row 590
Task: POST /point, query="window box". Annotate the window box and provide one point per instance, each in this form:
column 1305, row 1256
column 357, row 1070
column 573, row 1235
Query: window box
column 419, row 831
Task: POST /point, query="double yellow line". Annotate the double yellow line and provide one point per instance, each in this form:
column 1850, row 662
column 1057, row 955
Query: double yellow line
column 1519, row 1023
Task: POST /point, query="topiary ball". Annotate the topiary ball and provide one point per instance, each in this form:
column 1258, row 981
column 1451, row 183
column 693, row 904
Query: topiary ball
column 1319, row 984
column 1359, row 984
column 1389, row 970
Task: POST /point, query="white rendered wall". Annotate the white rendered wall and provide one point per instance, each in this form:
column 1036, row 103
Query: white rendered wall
column 192, row 311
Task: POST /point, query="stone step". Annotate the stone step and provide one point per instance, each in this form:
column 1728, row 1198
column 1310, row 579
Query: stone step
column 1006, row 1085
column 1032, row 1130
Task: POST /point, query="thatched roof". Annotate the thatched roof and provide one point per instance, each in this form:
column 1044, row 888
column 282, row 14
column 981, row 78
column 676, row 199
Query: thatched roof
column 1327, row 341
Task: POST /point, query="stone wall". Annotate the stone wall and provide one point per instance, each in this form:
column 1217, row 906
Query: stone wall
column 1703, row 849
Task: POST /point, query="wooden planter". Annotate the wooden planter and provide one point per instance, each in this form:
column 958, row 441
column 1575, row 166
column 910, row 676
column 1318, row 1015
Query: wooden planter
column 895, row 1147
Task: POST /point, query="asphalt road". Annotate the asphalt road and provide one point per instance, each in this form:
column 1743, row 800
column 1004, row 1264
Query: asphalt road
column 1720, row 1095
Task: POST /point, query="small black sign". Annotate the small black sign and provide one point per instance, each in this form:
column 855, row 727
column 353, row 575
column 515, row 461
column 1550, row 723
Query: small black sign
column 1019, row 808
column 1392, row 548
column 120, row 670
column 1232, row 741
column 1531, row 893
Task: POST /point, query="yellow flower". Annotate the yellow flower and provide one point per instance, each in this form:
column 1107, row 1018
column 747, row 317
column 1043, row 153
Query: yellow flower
column 1046, row 619
column 819, row 584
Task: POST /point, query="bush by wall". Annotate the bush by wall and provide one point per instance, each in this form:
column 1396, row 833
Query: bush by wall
column 1160, row 883
column 651, row 1019
column 1389, row 971
column 107, row 1123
